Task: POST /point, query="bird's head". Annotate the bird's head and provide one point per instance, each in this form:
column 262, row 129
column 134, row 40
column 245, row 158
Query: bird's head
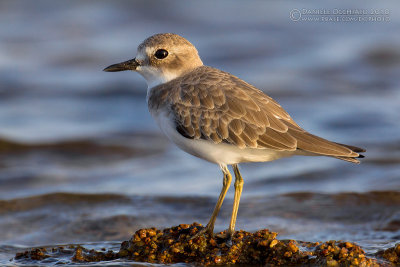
column 161, row 58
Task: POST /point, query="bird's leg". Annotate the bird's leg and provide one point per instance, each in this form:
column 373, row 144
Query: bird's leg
column 236, row 200
column 225, row 186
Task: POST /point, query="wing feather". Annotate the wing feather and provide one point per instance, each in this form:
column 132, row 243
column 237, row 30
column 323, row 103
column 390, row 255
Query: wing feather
column 227, row 109
column 217, row 106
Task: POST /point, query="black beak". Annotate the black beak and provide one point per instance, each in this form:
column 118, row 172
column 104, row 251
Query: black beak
column 127, row 65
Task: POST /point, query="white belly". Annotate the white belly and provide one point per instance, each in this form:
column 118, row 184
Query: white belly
column 217, row 153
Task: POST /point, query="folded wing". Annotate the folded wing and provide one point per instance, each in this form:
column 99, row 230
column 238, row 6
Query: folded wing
column 219, row 107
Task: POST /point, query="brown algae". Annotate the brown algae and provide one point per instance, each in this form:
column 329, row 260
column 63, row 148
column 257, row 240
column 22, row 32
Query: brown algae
column 178, row 244
column 391, row 254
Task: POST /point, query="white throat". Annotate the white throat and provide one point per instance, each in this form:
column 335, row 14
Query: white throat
column 155, row 76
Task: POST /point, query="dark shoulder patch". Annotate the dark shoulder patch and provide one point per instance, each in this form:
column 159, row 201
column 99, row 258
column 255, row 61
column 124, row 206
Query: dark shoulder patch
column 181, row 130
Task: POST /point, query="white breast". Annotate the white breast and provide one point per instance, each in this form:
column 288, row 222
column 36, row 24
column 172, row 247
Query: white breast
column 217, row 153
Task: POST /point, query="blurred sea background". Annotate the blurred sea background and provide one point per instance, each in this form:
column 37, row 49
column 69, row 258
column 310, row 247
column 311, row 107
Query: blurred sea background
column 82, row 161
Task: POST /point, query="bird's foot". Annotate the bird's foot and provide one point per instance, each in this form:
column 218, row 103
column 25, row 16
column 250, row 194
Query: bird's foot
column 222, row 237
column 208, row 230
column 225, row 236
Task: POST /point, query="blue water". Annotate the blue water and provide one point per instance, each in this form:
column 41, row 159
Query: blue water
column 339, row 80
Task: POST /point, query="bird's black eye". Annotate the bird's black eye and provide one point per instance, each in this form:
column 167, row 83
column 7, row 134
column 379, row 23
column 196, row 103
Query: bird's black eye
column 161, row 53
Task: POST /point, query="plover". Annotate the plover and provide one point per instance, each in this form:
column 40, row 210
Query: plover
column 218, row 117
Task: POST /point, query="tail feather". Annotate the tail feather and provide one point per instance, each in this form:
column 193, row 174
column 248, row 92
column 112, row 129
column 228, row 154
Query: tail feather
column 349, row 159
column 320, row 146
column 354, row 148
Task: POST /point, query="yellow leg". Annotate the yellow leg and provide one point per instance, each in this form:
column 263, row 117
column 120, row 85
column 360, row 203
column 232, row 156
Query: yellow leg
column 225, row 186
column 236, row 200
